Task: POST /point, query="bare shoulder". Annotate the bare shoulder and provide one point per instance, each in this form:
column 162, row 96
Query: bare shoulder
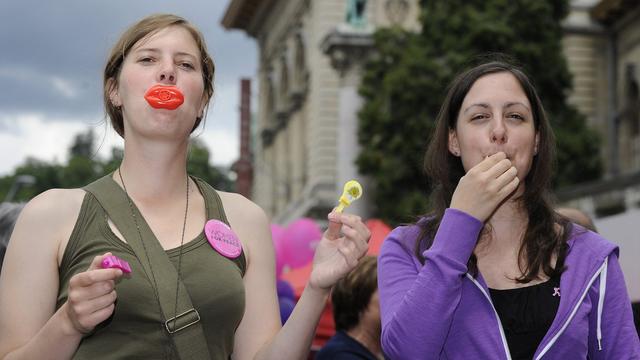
column 249, row 221
column 54, row 206
column 242, row 210
column 52, row 214
column 29, row 280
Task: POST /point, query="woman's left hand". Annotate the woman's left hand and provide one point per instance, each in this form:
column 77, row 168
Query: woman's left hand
column 342, row 245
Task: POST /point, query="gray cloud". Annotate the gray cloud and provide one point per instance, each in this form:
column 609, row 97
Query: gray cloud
column 53, row 51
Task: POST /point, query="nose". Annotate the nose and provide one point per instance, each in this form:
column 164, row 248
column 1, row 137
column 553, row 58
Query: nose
column 499, row 133
column 167, row 74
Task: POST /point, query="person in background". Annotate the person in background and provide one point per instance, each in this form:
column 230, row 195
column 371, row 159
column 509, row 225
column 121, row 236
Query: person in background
column 8, row 215
column 493, row 272
column 578, row 216
column 356, row 312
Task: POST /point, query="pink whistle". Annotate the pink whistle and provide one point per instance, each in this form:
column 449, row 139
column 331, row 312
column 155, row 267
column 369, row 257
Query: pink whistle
column 113, row 261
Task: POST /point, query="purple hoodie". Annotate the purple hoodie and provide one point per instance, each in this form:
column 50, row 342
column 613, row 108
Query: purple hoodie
column 439, row 311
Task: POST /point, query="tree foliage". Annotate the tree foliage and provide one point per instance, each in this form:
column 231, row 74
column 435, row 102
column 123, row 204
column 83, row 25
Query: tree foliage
column 84, row 166
column 405, row 83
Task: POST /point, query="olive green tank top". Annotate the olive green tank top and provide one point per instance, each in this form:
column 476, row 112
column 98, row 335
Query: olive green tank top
column 136, row 329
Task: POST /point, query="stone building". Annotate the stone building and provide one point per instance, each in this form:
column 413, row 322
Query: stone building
column 307, row 80
column 602, row 44
column 309, row 70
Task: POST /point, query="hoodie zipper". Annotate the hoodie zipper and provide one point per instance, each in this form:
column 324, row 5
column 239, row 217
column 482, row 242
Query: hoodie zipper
column 573, row 312
column 502, row 336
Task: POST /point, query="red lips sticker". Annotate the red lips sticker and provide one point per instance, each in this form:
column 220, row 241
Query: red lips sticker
column 164, row 97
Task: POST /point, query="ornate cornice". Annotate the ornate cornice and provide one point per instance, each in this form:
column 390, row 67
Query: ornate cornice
column 240, row 13
column 609, row 11
column 346, row 47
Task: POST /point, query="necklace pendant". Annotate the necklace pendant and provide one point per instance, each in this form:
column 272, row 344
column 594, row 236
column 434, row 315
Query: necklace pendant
column 223, row 239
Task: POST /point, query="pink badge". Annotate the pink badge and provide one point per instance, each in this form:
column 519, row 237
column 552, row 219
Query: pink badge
column 115, row 262
column 223, row 239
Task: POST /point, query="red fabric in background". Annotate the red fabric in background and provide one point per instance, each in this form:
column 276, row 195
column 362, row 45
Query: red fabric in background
column 379, row 231
column 298, row 279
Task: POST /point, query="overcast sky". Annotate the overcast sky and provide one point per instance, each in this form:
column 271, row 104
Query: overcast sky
column 52, row 55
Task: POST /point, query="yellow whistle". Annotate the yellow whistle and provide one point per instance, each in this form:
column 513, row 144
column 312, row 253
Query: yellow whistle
column 352, row 191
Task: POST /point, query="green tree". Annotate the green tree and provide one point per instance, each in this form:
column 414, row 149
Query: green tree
column 83, row 145
column 111, row 164
column 198, row 165
column 80, row 171
column 404, row 85
column 47, row 176
column 84, row 166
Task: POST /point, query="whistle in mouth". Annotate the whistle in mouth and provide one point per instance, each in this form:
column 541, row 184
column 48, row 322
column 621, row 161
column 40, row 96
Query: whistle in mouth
column 164, row 97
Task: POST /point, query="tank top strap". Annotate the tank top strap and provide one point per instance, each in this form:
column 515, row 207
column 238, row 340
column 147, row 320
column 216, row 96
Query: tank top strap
column 212, row 199
column 215, row 210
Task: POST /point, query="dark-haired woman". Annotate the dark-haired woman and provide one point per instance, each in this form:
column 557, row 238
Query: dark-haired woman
column 494, row 272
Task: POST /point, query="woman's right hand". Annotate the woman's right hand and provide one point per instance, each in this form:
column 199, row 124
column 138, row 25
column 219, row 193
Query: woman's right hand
column 92, row 295
column 485, row 186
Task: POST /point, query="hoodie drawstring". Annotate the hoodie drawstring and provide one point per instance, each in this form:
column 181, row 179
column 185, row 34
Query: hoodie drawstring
column 602, row 274
column 603, row 289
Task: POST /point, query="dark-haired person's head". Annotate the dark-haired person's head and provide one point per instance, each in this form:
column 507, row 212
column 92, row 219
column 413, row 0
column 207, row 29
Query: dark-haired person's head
column 355, row 297
column 578, row 216
column 494, row 108
column 8, row 215
column 447, row 161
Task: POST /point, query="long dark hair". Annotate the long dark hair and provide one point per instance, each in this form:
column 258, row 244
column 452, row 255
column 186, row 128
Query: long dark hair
column 542, row 240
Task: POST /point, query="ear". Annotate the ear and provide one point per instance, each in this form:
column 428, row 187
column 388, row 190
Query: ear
column 454, row 146
column 537, row 141
column 114, row 96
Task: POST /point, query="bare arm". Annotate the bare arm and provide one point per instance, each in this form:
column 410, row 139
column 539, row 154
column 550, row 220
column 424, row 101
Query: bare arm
column 31, row 327
column 29, row 284
column 260, row 335
column 260, row 322
column 343, row 244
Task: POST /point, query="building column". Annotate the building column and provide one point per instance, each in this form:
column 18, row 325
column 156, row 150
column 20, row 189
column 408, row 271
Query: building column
column 348, row 49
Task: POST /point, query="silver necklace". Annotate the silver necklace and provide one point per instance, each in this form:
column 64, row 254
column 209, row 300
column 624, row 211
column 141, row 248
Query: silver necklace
column 184, row 225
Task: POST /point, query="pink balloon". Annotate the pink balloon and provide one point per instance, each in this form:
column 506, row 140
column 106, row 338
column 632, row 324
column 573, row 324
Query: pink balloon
column 299, row 242
column 277, row 233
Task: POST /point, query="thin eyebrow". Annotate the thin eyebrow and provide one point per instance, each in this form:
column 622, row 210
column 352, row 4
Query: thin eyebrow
column 482, row 105
column 507, row 105
column 154, row 50
column 510, row 104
